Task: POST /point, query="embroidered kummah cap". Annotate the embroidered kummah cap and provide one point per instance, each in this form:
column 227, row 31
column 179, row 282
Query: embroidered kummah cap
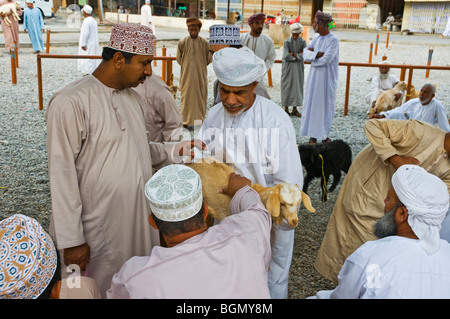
column 174, row 193
column 27, row 258
column 426, row 197
column 224, row 34
column 238, row 67
column 87, row 8
column 132, row 38
column 296, row 28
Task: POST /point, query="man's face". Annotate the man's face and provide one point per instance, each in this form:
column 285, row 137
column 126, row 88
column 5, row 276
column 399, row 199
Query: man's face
column 384, row 69
column 315, row 25
column 426, row 95
column 237, row 100
column 257, row 27
column 295, row 36
column 390, row 200
column 194, row 30
column 135, row 72
column 30, row 5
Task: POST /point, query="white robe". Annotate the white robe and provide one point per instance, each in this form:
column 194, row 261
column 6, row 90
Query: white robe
column 377, row 86
column 262, row 144
column 433, row 113
column 446, row 32
column 263, row 48
column 229, row 260
column 146, row 17
column 393, row 268
column 320, row 91
column 89, row 39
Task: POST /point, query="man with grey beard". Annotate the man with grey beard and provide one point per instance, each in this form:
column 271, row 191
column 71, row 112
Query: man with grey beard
column 409, row 260
column 258, row 138
column 381, row 82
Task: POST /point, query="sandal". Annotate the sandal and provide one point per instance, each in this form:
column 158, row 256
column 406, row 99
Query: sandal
column 327, row 140
column 312, row 141
column 287, row 111
column 296, row 113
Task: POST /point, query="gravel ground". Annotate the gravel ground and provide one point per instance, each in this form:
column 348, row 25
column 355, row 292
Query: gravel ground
column 24, row 186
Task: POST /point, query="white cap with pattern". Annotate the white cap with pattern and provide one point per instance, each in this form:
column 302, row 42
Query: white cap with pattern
column 174, row 193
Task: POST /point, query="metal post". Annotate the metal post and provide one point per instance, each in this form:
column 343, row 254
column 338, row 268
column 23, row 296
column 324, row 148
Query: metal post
column 154, row 53
column 370, row 52
column 430, row 55
column 47, row 45
column 13, row 68
column 347, row 89
column 269, row 78
column 16, row 53
column 164, row 75
column 387, row 40
column 39, row 75
column 408, row 88
column 376, row 44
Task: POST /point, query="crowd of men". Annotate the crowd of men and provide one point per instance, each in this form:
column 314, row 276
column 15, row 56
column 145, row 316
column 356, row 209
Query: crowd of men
column 128, row 217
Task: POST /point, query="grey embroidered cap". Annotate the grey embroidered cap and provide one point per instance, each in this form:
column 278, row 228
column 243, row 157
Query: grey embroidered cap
column 174, row 193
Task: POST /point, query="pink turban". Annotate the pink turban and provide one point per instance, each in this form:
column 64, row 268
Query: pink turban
column 256, row 17
column 323, row 17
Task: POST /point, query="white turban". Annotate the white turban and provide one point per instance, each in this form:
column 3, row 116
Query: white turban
column 238, row 67
column 427, row 200
column 296, row 28
column 88, row 9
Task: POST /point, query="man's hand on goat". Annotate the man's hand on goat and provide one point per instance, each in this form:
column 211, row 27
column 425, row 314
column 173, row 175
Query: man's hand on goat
column 235, row 183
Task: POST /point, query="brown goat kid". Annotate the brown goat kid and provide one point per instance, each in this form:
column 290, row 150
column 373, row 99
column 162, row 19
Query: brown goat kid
column 281, row 200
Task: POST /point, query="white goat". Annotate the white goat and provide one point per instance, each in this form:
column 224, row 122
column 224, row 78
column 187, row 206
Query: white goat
column 282, row 200
column 12, row 8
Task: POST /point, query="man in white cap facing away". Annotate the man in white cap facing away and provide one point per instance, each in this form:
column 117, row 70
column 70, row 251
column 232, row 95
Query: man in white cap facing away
column 88, row 42
column 227, row 261
column 225, row 36
column 33, row 24
column 409, row 260
column 292, row 71
column 146, row 16
column 258, row 138
column 100, row 158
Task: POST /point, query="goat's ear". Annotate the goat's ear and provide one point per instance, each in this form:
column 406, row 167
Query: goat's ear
column 307, row 202
column 273, row 203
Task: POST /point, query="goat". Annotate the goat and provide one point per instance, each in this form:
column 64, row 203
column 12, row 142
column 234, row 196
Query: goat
column 386, row 100
column 281, row 200
column 12, row 8
column 323, row 160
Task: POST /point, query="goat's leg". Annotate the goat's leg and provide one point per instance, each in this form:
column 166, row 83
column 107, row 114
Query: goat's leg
column 306, row 182
column 336, row 178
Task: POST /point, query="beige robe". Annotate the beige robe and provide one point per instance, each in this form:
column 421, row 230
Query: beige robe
column 99, row 161
column 360, row 202
column 193, row 56
column 164, row 113
column 11, row 33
